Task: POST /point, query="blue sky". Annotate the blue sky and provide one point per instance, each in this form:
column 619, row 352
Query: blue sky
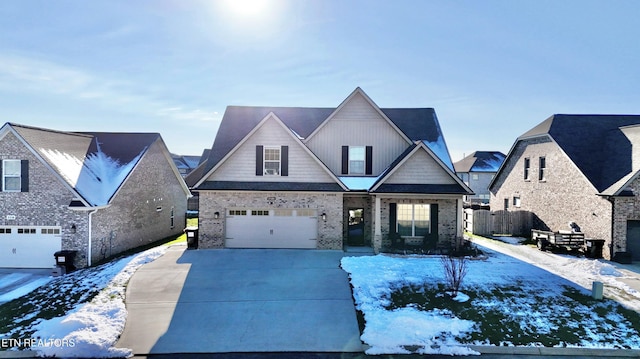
column 491, row 69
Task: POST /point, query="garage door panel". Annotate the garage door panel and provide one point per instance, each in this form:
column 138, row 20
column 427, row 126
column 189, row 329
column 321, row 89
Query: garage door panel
column 28, row 249
column 284, row 230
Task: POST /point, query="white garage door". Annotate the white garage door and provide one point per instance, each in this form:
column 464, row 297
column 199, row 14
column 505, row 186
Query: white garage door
column 29, row 246
column 275, row 228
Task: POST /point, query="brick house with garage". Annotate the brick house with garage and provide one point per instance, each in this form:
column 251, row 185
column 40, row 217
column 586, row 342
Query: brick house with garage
column 96, row 193
column 325, row 178
column 579, row 168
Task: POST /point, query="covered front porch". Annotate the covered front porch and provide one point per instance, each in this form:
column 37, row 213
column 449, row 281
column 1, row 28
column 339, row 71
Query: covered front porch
column 402, row 222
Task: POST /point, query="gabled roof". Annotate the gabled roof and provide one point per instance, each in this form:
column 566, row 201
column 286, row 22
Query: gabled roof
column 480, row 161
column 454, row 188
column 414, row 123
column 94, row 165
column 208, row 169
column 596, row 144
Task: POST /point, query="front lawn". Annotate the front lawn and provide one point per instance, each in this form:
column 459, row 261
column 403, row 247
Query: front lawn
column 511, row 303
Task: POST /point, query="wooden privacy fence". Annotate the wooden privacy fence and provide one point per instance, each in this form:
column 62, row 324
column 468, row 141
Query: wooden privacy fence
column 486, row 223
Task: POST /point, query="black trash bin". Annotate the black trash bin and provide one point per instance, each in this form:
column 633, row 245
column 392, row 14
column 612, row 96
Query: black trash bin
column 594, row 248
column 65, row 259
column 192, row 237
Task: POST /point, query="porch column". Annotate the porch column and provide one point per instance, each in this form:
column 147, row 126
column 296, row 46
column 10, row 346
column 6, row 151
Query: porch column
column 377, row 231
column 459, row 219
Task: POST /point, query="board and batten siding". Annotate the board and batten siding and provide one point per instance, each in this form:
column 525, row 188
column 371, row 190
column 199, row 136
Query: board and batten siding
column 357, row 123
column 420, row 168
column 241, row 166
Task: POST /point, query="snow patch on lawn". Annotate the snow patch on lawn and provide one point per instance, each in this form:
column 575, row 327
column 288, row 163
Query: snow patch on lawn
column 403, row 330
column 92, row 329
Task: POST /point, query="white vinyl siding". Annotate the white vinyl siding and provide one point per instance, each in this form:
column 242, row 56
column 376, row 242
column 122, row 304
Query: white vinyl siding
column 241, row 165
column 421, row 168
column 355, row 124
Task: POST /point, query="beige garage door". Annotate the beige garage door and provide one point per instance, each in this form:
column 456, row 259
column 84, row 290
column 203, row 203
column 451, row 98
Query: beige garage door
column 29, row 246
column 271, row 228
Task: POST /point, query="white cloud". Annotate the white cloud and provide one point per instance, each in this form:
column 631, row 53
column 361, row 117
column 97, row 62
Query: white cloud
column 27, row 75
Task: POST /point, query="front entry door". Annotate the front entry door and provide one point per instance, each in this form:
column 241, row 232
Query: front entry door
column 355, row 236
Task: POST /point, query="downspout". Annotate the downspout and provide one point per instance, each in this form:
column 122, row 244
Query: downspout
column 89, row 250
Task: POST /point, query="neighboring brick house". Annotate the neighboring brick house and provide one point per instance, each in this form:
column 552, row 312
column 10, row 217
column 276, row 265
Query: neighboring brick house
column 96, row 193
column 476, row 171
column 580, row 168
column 289, row 177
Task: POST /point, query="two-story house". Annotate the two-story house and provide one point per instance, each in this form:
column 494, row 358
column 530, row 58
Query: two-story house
column 96, row 193
column 577, row 168
column 289, row 177
column 476, row 171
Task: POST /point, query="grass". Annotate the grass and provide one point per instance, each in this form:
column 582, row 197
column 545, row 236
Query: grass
column 521, row 316
column 57, row 297
column 51, row 300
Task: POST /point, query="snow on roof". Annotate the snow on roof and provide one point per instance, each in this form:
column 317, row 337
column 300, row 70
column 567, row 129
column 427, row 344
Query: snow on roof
column 439, row 148
column 358, row 183
column 95, row 177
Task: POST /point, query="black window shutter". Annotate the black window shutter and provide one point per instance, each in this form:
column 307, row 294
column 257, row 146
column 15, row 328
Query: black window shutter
column 434, row 222
column 24, row 175
column 1, row 178
column 369, row 160
column 259, row 164
column 284, row 161
column 392, row 219
column 345, row 160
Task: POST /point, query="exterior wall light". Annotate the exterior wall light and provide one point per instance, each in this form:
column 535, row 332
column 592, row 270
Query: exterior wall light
column 324, row 216
column 73, row 229
column 216, row 215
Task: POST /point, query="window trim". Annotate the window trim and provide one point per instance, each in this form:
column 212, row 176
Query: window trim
column 527, row 169
column 265, row 160
column 5, row 175
column 363, row 160
column 413, row 218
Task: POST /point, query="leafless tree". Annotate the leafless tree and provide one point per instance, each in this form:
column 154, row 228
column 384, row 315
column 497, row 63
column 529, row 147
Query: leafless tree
column 455, row 269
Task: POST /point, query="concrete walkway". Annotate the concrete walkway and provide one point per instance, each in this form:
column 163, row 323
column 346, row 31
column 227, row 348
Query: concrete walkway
column 216, row 301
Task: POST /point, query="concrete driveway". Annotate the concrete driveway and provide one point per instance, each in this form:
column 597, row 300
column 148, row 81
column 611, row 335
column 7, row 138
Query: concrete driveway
column 244, row 300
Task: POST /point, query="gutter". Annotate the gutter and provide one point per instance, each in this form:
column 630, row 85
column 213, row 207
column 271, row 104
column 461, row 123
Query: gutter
column 91, row 211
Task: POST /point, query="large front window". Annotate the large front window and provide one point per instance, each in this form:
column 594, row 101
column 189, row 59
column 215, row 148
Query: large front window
column 413, row 220
column 356, row 160
column 11, row 175
column 272, row 161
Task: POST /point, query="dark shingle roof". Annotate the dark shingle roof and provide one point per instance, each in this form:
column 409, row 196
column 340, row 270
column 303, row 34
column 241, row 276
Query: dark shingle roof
column 67, row 154
column 421, row 188
column 238, row 121
column 594, row 143
column 480, row 161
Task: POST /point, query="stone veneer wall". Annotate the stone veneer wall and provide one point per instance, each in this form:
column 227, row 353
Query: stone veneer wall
column 564, row 195
column 141, row 212
column 45, row 204
column 447, row 219
column 212, row 231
